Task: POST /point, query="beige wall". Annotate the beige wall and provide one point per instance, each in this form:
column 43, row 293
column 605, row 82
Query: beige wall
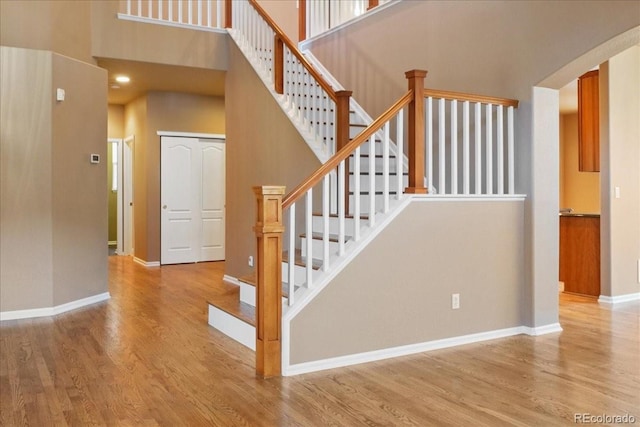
column 26, row 249
column 61, row 26
column 430, row 241
column 115, row 121
column 524, row 44
column 78, row 202
column 53, row 209
column 578, row 190
column 285, row 15
column 120, row 39
column 620, row 150
column 263, row 148
column 115, row 129
column 144, row 117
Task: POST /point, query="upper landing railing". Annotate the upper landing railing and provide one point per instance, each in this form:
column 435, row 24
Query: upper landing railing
column 314, row 16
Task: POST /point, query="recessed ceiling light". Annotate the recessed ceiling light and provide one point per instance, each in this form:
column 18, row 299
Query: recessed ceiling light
column 123, row 79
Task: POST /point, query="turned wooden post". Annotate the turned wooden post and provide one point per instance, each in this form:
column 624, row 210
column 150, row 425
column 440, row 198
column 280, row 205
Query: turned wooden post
column 416, row 133
column 227, row 13
column 302, row 20
column 278, row 64
column 372, row 4
column 269, row 231
column 342, row 135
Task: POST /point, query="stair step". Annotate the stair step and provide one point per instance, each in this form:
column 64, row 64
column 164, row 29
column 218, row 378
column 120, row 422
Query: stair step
column 231, row 304
column 252, row 281
column 301, row 260
column 334, row 238
column 233, row 318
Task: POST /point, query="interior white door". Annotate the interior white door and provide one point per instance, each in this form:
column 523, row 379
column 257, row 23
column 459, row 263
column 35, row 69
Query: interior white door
column 192, row 197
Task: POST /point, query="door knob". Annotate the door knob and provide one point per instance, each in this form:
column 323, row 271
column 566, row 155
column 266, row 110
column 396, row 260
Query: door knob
column 164, row 207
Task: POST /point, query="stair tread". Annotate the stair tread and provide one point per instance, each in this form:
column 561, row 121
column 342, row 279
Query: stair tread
column 302, row 261
column 250, row 279
column 319, row 236
column 230, row 303
column 347, row 216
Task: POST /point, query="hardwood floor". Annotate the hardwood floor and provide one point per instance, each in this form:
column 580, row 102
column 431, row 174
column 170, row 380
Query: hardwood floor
column 147, row 357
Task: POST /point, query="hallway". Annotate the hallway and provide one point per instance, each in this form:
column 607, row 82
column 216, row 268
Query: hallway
column 147, row 357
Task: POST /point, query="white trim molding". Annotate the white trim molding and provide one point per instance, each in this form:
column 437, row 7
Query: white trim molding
column 146, row 263
column 53, row 311
column 542, row 330
column 232, row 327
column 405, row 350
column 192, row 135
column 619, row 298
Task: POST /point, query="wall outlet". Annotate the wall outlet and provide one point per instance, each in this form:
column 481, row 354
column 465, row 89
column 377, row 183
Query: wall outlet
column 455, row 301
column 250, row 262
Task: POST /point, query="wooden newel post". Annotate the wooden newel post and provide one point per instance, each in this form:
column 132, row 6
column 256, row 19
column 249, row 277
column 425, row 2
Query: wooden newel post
column 269, row 231
column 342, row 134
column 227, row 14
column 416, row 133
column 302, row 20
column 278, row 64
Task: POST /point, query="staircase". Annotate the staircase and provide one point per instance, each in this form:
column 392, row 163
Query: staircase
column 367, row 177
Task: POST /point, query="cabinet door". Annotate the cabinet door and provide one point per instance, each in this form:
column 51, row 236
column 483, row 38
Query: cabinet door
column 589, row 122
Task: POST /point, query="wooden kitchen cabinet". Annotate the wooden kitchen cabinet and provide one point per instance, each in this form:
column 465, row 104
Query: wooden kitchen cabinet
column 589, row 122
column 580, row 253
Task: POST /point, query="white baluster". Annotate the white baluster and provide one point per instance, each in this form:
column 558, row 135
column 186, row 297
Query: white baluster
column 478, row 149
column 326, row 201
column 510, row 151
column 308, row 219
column 341, row 206
column 385, row 168
column 180, row 11
column 200, row 12
column 291, row 265
column 400, row 153
column 442, row 167
column 160, row 11
column 218, row 13
column 372, row 181
column 489, row 147
column 500, row 150
column 139, row 7
column 190, row 12
column 128, row 7
column 465, row 147
column 429, row 154
column 454, row 147
column 150, row 9
column 356, row 194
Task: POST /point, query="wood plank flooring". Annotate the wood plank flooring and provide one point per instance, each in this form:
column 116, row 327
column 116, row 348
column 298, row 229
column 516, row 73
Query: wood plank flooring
column 147, row 357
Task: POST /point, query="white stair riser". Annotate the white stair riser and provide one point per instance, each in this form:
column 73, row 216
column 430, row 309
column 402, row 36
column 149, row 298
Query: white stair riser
column 378, row 164
column 364, row 202
column 378, row 182
column 233, row 327
column 317, row 225
column 300, row 274
column 317, row 246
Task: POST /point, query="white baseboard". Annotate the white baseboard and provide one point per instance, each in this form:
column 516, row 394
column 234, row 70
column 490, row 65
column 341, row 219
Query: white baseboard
column 53, row 311
column 405, row 350
column 619, row 298
column 146, row 263
column 541, row 330
column 233, row 327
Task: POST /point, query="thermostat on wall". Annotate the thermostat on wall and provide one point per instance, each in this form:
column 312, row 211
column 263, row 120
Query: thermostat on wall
column 95, row 158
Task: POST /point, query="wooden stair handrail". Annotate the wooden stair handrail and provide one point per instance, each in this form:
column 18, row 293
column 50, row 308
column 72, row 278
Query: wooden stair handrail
column 461, row 96
column 346, row 151
column 292, row 47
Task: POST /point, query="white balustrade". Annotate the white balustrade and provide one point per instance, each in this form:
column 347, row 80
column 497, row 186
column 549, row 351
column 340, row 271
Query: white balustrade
column 323, row 15
column 194, row 13
column 487, row 166
column 322, row 241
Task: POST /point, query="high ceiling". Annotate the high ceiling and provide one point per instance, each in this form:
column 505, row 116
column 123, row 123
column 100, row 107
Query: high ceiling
column 147, row 77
